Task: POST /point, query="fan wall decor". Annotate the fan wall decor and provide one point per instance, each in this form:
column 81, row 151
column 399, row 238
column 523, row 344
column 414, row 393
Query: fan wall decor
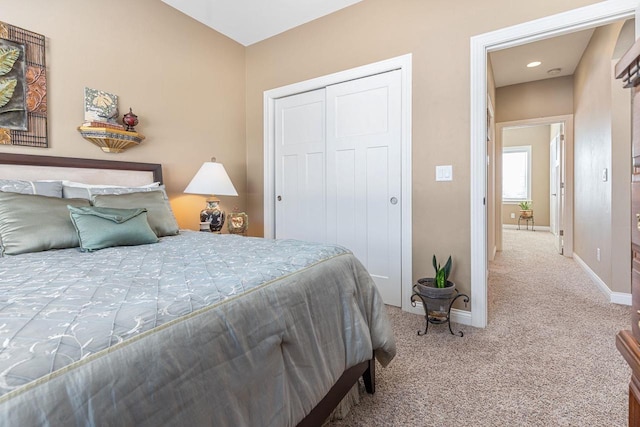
column 23, row 87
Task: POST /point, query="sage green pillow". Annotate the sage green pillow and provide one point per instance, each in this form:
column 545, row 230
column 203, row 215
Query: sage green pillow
column 33, row 223
column 100, row 228
column 159, row 213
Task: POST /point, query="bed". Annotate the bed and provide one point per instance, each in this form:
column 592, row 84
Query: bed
column 196, row 329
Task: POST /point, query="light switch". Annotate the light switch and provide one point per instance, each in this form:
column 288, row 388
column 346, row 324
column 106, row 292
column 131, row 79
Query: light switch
column 444, row 173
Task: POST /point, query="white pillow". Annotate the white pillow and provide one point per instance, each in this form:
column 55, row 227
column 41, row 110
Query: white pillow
column 83, row 185
column 75, row 190
column 43, row 188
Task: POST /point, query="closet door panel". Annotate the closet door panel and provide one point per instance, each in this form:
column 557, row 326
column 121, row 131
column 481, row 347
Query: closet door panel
column 345, row 222
column 301, row 167
column 363, row 119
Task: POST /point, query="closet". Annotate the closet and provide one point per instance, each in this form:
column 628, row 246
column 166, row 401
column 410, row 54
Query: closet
column 338, row 172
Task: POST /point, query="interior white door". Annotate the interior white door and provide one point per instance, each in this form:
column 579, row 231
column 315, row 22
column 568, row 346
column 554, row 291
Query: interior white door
column 300, row 166
column 556, row 191
column 553, row 185
column 562, row 179
column 364, row 175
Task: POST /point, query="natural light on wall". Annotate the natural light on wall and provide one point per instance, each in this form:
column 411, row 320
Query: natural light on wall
column 516, row 173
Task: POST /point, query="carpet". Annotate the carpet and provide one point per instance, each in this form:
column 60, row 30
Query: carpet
column 546, row 358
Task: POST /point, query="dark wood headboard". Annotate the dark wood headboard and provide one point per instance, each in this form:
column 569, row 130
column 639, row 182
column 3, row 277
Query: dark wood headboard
column 71, row 162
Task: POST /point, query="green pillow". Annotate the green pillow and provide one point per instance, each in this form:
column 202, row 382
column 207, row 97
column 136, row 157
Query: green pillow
column 100, row 228
column 159, row 214
column 33, row 223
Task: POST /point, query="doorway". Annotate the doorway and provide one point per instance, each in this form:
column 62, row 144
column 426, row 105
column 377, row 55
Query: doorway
column 587, row 17
column 554, row 206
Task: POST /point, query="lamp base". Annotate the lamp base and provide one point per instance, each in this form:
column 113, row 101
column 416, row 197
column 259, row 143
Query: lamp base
column 213, row 216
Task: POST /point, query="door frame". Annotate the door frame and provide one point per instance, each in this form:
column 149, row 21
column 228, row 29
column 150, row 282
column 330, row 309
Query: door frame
column 567, row 214
column 402, row 63
column 598, row 14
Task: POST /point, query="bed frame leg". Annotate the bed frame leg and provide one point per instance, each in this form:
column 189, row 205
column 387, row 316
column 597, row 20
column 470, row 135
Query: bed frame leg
column 369, row 377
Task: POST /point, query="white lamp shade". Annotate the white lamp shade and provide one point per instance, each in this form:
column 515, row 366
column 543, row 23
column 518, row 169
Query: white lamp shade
column 211, row 179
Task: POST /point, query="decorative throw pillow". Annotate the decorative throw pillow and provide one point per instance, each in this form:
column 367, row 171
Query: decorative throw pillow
column 74, row 190
column 33, row 223
column 159, row 213
column 43, row 188
column 100, row 228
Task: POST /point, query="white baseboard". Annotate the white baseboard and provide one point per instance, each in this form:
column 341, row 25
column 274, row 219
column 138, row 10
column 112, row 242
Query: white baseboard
column 621, row 298
column 457, row 316
column 614, row 297
column 523, row 228
column 461, row 316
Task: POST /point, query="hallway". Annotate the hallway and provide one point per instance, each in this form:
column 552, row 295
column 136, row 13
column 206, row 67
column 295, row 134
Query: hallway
column 546, row 358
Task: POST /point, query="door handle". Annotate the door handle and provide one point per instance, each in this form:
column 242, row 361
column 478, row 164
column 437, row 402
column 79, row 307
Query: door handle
column 394, row 201
column 279, row 198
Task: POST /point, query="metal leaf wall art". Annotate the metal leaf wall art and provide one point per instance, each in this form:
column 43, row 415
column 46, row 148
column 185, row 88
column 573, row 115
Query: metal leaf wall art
column 23, row 87
column 7, row 87
column 13, row 108
column 8, row 57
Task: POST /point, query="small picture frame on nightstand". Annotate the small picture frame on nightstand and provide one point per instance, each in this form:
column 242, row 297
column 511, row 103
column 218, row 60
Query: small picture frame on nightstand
column 238, row 223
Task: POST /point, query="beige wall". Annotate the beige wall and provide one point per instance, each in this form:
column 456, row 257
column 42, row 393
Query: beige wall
column 437, row 33
column 538, row 138
column 184, row 81
column 620, row 186
column 542, row 98
column 621, row 169
column 593, row 153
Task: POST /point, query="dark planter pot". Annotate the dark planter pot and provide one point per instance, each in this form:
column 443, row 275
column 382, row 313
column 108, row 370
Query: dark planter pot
column 437, row 299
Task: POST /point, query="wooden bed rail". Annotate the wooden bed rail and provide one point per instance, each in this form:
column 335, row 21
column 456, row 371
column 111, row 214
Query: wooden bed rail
column 319, row 414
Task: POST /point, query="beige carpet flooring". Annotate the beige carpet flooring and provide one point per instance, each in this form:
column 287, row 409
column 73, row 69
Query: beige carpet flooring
column 547, row 357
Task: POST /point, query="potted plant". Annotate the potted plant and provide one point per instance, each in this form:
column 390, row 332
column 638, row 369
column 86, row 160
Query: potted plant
column 437, row 291
column 525, row 209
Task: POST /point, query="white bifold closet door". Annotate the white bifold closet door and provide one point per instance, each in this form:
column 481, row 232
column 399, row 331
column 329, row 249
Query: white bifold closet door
column 338, row 172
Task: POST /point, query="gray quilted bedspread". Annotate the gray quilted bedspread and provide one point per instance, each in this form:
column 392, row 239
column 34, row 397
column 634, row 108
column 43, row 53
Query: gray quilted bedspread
column 76, row 322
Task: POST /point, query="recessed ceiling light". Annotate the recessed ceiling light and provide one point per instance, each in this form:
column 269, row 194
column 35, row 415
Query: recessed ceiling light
column 533, row 64
column 554, row 71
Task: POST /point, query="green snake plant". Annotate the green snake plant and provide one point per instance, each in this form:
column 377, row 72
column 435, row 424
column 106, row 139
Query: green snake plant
column 525, row 205
column 442, row 273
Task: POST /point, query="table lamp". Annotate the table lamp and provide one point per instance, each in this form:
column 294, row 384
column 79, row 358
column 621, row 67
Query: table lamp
column 211, row 179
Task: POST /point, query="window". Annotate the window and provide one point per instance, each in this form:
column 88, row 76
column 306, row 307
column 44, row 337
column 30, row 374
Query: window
column 516, row 173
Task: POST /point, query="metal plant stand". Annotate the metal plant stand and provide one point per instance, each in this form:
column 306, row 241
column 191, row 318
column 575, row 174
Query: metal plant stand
column 437, row 317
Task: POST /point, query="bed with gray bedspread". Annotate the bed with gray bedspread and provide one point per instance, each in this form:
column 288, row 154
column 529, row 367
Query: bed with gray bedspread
column 198, row 329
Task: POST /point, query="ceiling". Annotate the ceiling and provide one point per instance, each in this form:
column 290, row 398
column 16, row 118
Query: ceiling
column 251, row 21
column 564, row 52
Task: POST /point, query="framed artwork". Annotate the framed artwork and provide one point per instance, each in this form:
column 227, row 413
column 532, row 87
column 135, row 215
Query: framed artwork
column 100, row 106
column 238, row 223
column 23, row 87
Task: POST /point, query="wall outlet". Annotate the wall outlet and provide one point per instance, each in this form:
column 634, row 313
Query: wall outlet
column 598, row 254
column 513, row 215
